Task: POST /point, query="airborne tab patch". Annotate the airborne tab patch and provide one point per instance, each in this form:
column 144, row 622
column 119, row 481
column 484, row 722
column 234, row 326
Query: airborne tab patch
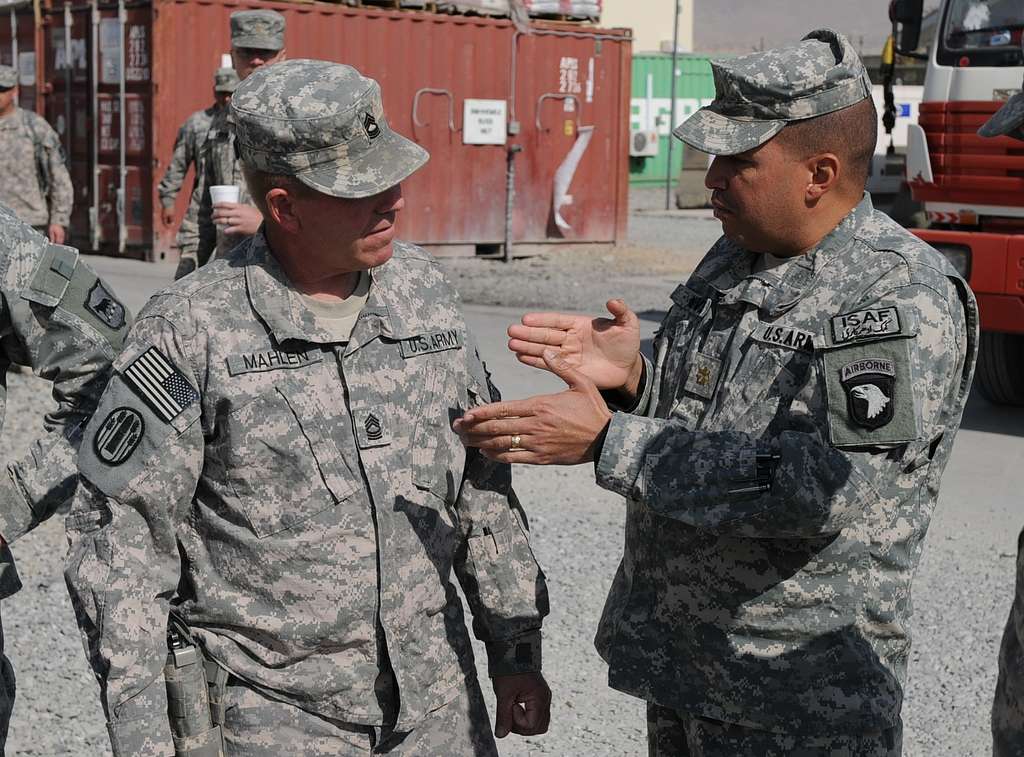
column 271, row 360
column 866, row 324
column 424, row 344
column 784, row 336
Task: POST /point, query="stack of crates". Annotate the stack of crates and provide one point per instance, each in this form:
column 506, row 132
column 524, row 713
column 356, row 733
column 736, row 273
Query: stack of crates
column 585, row 10
column 479, row 7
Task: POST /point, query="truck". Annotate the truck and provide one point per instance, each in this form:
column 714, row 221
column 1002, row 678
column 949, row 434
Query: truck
column 972, row 188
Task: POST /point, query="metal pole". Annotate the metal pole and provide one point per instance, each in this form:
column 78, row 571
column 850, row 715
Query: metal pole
column 14, row 43
column 672, row 109
column 94, row 138
column 67, row 83
column 510, row 200
column 122, row 191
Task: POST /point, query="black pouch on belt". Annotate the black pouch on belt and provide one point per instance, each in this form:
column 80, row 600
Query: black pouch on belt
column 195, row 732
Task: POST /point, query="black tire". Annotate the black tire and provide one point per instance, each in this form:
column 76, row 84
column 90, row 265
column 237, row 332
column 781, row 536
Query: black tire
column 1000, row 373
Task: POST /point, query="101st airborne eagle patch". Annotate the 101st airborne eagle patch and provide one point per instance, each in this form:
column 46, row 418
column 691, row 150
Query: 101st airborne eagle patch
column 870, row 386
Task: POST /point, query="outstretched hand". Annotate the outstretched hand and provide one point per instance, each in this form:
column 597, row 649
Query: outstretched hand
column 605, row 350
column 552, row 429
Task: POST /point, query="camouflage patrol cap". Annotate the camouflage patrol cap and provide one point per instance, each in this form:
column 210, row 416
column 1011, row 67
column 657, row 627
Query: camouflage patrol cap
column 756, row 95
column 8, row 77
column 324, row 124
column 260, row 30
column 1008, row 121
column 225, row 80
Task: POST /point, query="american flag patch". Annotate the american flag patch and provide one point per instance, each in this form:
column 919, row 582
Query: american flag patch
column 159, row 384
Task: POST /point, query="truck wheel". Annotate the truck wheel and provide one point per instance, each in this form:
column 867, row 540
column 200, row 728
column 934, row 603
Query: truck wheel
column 1001, row 368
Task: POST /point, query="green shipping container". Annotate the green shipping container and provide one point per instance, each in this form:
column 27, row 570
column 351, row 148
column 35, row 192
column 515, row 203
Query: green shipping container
column 651, row 108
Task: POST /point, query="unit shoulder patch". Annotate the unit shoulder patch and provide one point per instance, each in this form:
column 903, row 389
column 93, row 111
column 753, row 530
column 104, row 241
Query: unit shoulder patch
column 118, row 436
column 866, row 324
column 437, row 341
column 870, row 385
column 102, row 304
column 159, row 384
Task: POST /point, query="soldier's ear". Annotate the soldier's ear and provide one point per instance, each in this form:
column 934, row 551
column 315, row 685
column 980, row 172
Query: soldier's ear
column 823, row 172
column 282, row 210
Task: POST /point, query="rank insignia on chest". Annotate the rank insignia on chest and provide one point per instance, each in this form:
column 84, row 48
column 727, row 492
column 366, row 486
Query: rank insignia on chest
column 118, row 436
column 437, row 341
column 870, row 386
column 703, row 376
column 371, row 429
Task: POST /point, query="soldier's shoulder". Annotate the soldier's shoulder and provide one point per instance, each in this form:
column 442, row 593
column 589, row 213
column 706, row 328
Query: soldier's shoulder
column 199, row 119
column 21, row 249
column 415, row 269
column 202, row 293
column 39, row 125
column 904, row 259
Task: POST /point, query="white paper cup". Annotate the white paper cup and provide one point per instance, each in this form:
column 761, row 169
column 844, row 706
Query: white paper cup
column 224, row 193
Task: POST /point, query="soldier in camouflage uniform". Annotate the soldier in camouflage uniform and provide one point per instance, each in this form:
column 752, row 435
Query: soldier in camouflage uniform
column 64, row 323
column 187, row 148
column 36, row 184
column 274, row 462
column 1008, row 707
column 781, row 456
column 257, row 39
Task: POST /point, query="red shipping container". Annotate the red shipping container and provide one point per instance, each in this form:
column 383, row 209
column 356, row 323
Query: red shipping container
column 452, row 83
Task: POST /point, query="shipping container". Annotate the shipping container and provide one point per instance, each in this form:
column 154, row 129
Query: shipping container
column 651, row 111
column 548, row 108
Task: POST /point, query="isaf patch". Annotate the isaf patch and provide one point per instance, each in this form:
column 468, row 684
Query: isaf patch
column 118, row 436
column 866, row 324
column 159, row 384
column 870, row 386
column 424, row 344
column 104, row 306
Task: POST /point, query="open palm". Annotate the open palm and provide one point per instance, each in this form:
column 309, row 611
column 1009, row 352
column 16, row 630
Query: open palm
column 603, row 349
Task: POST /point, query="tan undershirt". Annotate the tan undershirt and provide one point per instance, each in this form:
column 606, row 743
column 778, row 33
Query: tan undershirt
column 339, row 316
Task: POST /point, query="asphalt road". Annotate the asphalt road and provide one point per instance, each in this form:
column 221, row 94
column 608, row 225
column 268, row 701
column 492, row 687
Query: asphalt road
column 962, row 590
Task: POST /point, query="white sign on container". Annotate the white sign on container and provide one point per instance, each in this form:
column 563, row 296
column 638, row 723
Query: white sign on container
column 484, row 122
column 27, row 69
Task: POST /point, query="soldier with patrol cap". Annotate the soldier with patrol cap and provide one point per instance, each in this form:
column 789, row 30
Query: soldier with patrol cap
column 1008, row 707
column 36, row 184
column 781, row 456
column 59, row 319
column 273, row 463
column 257, row 39
column 187, row 151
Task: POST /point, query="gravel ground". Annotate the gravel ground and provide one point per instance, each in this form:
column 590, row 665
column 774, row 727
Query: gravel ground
column 962, row 591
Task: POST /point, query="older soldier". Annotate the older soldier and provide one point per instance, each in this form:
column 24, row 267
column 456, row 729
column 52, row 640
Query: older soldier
column 187, row 149
column 64, row 323
column 274, row 463
column 36, row 184
column 257, row 39
column 781, row 457
column 1008, row 707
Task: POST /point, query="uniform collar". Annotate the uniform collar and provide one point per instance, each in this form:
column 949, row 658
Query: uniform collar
column 729, row 274
column 389, row 310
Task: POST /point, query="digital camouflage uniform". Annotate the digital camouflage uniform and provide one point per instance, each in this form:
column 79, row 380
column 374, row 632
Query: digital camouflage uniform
column 59, row 319
column 782, row 465
column 260, row 29
column 302, row 502
column 1008, row 706
column 36, row 184
column 187, row 149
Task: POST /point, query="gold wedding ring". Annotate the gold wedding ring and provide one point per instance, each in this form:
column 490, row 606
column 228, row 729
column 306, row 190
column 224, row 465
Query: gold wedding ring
column 516, row 439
